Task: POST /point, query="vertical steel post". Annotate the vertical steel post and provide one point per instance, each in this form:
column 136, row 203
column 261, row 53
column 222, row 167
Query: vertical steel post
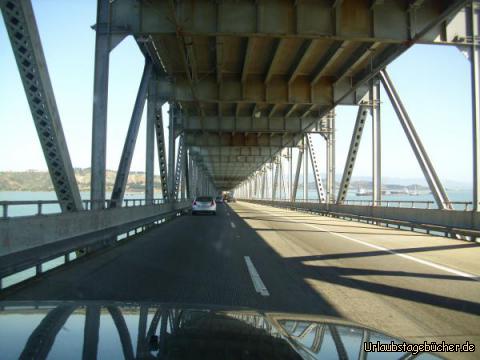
column 90, row 333
column 305, row 170
column 150, row 140
column 275, row 179
column 131, row 138
column 171, row 150
column 188, row 193
column 376, row 142
column 426, row 165
column 475, row 75
column 100, row 101
column 330, row 144
column 290, row 173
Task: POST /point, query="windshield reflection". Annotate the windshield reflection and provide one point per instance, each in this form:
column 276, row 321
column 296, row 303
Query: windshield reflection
column 147, row 331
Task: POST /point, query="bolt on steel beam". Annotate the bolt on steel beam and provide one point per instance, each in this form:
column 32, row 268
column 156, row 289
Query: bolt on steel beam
column 27, row 47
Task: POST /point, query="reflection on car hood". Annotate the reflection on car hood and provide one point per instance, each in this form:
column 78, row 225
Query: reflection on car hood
column 63, row 330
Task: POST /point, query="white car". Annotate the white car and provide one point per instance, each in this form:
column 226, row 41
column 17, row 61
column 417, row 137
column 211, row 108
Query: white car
column 204, row 204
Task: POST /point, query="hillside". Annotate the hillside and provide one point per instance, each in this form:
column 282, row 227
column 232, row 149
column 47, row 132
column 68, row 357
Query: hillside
column 33, row 180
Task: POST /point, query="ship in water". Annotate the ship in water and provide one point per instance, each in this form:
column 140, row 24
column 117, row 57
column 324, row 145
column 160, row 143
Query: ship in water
column 405, row 191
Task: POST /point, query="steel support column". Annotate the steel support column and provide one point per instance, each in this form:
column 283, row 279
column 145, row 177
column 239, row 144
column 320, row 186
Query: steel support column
column 434, row 183
column 297, row 174
column 90, row 334
column 150, row 140
column 316, row 169
column 352, row 153
column 100, row 101
column 330, row 144
column 171, row 149
column 188, row 194
column 26, row 45
column 290, row 173
column 179, row 166
column 162, row 157
column 305, row 170
column 131, row 138
column 475, row 75
column 264, row 180
column 376, row 142
column 275, row 178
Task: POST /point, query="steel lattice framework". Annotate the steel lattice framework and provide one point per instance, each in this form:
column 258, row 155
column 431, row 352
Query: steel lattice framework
column 27, row 48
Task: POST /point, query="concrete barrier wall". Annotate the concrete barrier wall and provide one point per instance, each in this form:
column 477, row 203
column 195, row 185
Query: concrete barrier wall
column 23, row 233
column 447, row 218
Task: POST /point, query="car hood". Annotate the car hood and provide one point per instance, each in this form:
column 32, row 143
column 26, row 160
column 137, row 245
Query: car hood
column 111, row 330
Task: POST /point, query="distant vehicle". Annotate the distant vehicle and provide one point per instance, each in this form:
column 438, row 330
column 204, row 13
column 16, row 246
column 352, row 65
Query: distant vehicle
column 204, row 204
column 219, row 199
column 230, row 198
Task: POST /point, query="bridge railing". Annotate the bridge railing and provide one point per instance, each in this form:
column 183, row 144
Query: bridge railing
column 45, row 207
column 32, row 245
column 451, row 223
column 412, row 204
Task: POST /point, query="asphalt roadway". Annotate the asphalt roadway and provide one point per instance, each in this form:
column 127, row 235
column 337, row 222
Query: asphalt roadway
column 411, row 285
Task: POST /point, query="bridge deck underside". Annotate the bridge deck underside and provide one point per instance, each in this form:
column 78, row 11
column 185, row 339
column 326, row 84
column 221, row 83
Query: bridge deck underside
column 252, row 75
column 308, row 263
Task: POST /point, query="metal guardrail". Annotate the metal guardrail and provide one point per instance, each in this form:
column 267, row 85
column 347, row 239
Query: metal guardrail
column 87, row 205
column 39, row 258
column 413, row 204
column 449, row 223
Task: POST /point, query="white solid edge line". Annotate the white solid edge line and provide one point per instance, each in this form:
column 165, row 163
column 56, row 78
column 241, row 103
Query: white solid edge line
column 409, row 257
column 257, row 281
column 232, row 225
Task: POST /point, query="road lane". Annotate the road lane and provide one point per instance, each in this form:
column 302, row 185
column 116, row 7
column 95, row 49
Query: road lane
column 372, row 286
column 302, row 261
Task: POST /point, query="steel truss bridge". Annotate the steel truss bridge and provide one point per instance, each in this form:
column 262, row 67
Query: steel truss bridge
column 249, row 85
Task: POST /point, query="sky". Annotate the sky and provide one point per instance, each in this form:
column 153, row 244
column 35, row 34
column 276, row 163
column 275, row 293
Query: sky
column 433, row 82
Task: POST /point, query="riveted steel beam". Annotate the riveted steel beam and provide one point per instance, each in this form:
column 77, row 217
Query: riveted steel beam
column 316, row 169
column 26, row 44
column 179, row 166
column 352, row 153
column 42, row 338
